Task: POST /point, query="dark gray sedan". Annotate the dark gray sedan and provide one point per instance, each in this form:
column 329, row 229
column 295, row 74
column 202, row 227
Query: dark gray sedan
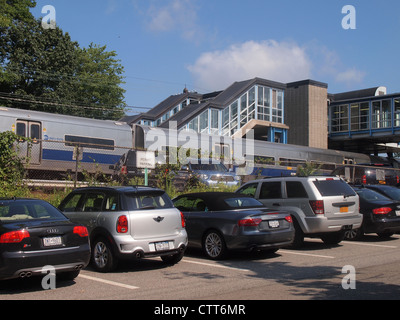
column 219, row 222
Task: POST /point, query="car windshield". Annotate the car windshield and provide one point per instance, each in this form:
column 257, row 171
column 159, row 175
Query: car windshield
column 333, row 188
column 137, row 201
column 244, row 202
column 370, row 195
column 15, row 210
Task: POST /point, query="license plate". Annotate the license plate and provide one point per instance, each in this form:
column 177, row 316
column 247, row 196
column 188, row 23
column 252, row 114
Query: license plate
column 52, row 241
column 344, row 209
column 162, row 246
column 273, row 224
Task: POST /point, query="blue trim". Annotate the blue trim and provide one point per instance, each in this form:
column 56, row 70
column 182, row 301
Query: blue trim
column 88, row 157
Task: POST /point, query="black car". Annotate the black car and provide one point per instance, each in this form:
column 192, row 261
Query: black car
column 34, row 234
column 388, row 191
column 381, row 215
column 219, row 221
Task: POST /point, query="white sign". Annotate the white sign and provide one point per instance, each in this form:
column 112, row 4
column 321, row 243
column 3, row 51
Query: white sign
column 145, row 159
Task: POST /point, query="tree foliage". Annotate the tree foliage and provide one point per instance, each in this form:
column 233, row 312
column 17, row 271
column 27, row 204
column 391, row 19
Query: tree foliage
column 11, row 165
column 43, row 69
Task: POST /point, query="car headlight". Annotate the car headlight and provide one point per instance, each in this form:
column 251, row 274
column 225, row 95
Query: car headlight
column 204, row 176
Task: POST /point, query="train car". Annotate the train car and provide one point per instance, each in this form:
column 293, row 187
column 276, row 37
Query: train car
column 246, row 156
column 61, row 143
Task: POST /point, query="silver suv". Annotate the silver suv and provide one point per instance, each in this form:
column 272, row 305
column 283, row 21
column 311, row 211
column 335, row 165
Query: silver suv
column 323, row 207
column 127, row 222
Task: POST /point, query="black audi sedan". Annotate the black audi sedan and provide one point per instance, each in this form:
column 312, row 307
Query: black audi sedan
column 219, row 222
column 381, row 215
column 34, row 234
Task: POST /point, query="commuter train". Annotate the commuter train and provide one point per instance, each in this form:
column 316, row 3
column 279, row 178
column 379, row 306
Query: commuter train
column 62, row 144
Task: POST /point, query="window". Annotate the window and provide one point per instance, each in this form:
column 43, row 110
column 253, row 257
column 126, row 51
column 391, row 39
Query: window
column 153, row 200
column 397, row 112
column 184, row 203
column 72, row 203
column 295, row 189
column 112, row 203
column 93, row 202
column 86, row 142
column 339, row 118
column 271, row 190
column 243, row 202
column 381, row 114
column 249, row 189
column 333, row 188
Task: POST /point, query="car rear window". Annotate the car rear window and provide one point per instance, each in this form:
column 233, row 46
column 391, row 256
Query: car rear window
column 11, row 211
column 138, row 201
column 245, row 202
column 333, row 187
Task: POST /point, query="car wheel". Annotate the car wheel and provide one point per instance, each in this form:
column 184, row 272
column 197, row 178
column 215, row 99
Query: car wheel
column 214, row 245
column 385, row 235
column 354, row 234
column 298, row 240
column 173, row 258
column 103, row 258
column 333, row 238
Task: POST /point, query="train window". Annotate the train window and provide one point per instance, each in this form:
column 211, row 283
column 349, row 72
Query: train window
column 86, row 142
column 35, row 132
column 264, row 160
column 21, row 129
column 290, row 162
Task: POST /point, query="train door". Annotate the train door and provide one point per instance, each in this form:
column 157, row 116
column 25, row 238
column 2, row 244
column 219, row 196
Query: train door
column 32, row 130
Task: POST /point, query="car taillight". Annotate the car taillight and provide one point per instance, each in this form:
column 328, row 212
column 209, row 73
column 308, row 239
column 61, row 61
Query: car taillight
column 289, row 219
column 397, row 179
column 250, row 222
column 383, row 210
column 364, row 179
column 14, row 236
column 124, row 170
column 81, row 231
column 183, row 221
column 122, row 224
column 317, row 206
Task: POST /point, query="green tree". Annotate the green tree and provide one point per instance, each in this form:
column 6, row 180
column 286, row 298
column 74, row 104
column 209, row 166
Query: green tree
column 43, row 69
column 11, row 165
column 12, row 10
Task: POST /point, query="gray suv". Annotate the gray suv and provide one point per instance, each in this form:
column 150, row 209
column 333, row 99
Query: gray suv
column 127, row 222
column 323, row 207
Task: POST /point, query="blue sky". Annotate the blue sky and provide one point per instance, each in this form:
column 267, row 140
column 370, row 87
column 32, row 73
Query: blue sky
column 205, row 45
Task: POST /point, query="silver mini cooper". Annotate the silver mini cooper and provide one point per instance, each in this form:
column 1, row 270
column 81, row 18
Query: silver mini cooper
column 127, row 222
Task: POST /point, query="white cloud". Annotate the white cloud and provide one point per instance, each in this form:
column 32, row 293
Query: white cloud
column 273, row 60
column 174, row 15
column 278, row 61
column 350, row 76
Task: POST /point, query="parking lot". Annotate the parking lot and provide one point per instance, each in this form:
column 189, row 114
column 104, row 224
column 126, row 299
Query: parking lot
column 313, row 272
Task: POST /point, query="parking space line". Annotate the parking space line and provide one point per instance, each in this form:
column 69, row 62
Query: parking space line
column 113, row 283
column 370, row 244
column 214, row 265
column 306, row 254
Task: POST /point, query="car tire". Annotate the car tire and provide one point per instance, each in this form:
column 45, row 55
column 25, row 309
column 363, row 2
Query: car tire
column 214, row 245
column 298, row 240
column 173, row 258
column 333, row 238
column 103, row 258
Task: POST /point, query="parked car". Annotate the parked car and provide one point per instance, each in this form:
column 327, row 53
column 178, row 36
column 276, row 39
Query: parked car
column 322, row 207
column 34, row 234
column 127, row 222
column 381, row 215
column 368, row 174
column 210, row 173
column 388, row 191
column 219, row 222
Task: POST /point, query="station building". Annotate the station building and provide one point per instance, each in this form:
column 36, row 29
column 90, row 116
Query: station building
column 300, row 113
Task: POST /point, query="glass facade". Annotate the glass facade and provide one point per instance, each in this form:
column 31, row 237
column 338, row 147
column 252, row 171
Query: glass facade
column 259, row 102
column 365, row 115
